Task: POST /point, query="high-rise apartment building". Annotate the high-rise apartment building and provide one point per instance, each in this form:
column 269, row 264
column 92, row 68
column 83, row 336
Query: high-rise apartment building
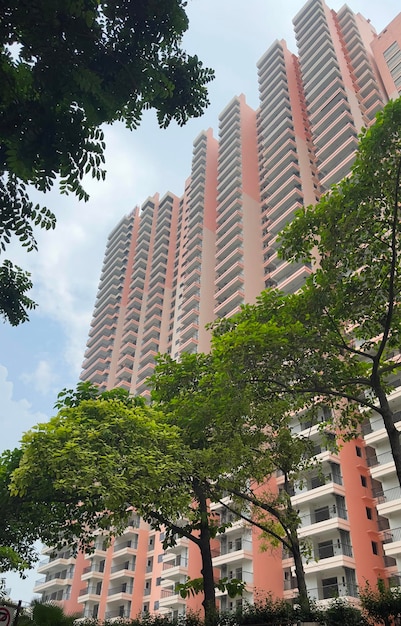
column 175, row 264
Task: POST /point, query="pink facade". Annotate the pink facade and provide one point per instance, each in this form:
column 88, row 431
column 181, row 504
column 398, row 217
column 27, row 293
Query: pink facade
column 387, row 54
column 175, row 264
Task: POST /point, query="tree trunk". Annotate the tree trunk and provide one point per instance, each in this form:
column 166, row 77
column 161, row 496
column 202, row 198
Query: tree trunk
column 292, row 534
column 209, row 599
column 392, row 432
column 300, row 574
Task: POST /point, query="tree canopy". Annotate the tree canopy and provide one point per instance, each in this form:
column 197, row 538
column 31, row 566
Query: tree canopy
column 354, row 292
column 66, row 68
column 19, row 521
column 93, row 461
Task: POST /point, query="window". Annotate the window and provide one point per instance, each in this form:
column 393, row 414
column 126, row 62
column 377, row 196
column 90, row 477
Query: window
column 325, row 549
column 329, row 588
column 321, row 514
column 158, row 581
column 375, row 548
column 364, row 482
column 160, row 558
column 358, row 451
column 369, row 513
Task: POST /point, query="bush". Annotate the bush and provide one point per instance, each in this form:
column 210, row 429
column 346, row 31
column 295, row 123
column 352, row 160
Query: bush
column 340, row 613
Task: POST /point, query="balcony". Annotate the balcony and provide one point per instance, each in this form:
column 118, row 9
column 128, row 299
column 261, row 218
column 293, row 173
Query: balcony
column 174, row 570
column 333, row 590
column 171, row 599
column 122, row 612
column 90, row 593
column 329, row 556
column 317, row 487
column 56, row 561
column 120, row 592
column 95, row 571
column 56, row 580
column 388, row 495
column 233, row 551
column 324, row 519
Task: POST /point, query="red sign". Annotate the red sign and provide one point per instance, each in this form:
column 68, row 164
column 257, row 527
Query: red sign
column 6, row 616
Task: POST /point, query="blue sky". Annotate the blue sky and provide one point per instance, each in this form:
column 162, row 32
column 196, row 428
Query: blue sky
column 41, row 357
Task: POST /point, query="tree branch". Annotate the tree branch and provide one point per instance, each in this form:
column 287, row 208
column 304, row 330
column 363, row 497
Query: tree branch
column 393, row 265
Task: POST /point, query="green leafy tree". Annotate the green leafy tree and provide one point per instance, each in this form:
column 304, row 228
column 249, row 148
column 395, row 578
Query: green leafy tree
column 273, row 353
column 187, row 393
column 46, row 614
column 19, row 521
column 94, row 460
column 382, row 604
column 243, row 444
column 66, row 68
column 106, row 452
column 352, row 300
column 271, row 511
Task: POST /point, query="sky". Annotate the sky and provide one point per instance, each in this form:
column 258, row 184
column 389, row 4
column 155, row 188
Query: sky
column 43, row 356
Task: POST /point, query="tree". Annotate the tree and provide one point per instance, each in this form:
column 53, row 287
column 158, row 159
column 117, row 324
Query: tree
column 105, row 453
column 244, row 444
column 45, row 614
column 66, row 68
column 272, row 511
column 190, row 399
column 353, row 296
column 19, row 521
column 273, row 352
column 383, row 604
column 94, row 460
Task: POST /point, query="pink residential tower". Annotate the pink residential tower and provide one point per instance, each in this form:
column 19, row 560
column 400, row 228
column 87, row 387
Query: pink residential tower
column 175, row 264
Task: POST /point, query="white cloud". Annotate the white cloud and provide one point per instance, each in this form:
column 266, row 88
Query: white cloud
column 44, row 378
column 16, row 416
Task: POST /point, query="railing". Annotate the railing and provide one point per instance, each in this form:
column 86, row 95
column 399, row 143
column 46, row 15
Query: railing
column 290, row 583
column 120, row 589
column 317, row 482
column 123, row 566
column 57, row 596
column 324, row 514
column 178, row 562
column 387, row 495
column 125, row 544
column 393, row 534
column 380, row 459
column 377, row 423
column 235, row 546
column 49, row 577
column 93, row 568
column 117, row 613
column 395, row 580
column 239, row 574
column 90, row 589
column 389, row 561
column 334, row 549
column 337, row 590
